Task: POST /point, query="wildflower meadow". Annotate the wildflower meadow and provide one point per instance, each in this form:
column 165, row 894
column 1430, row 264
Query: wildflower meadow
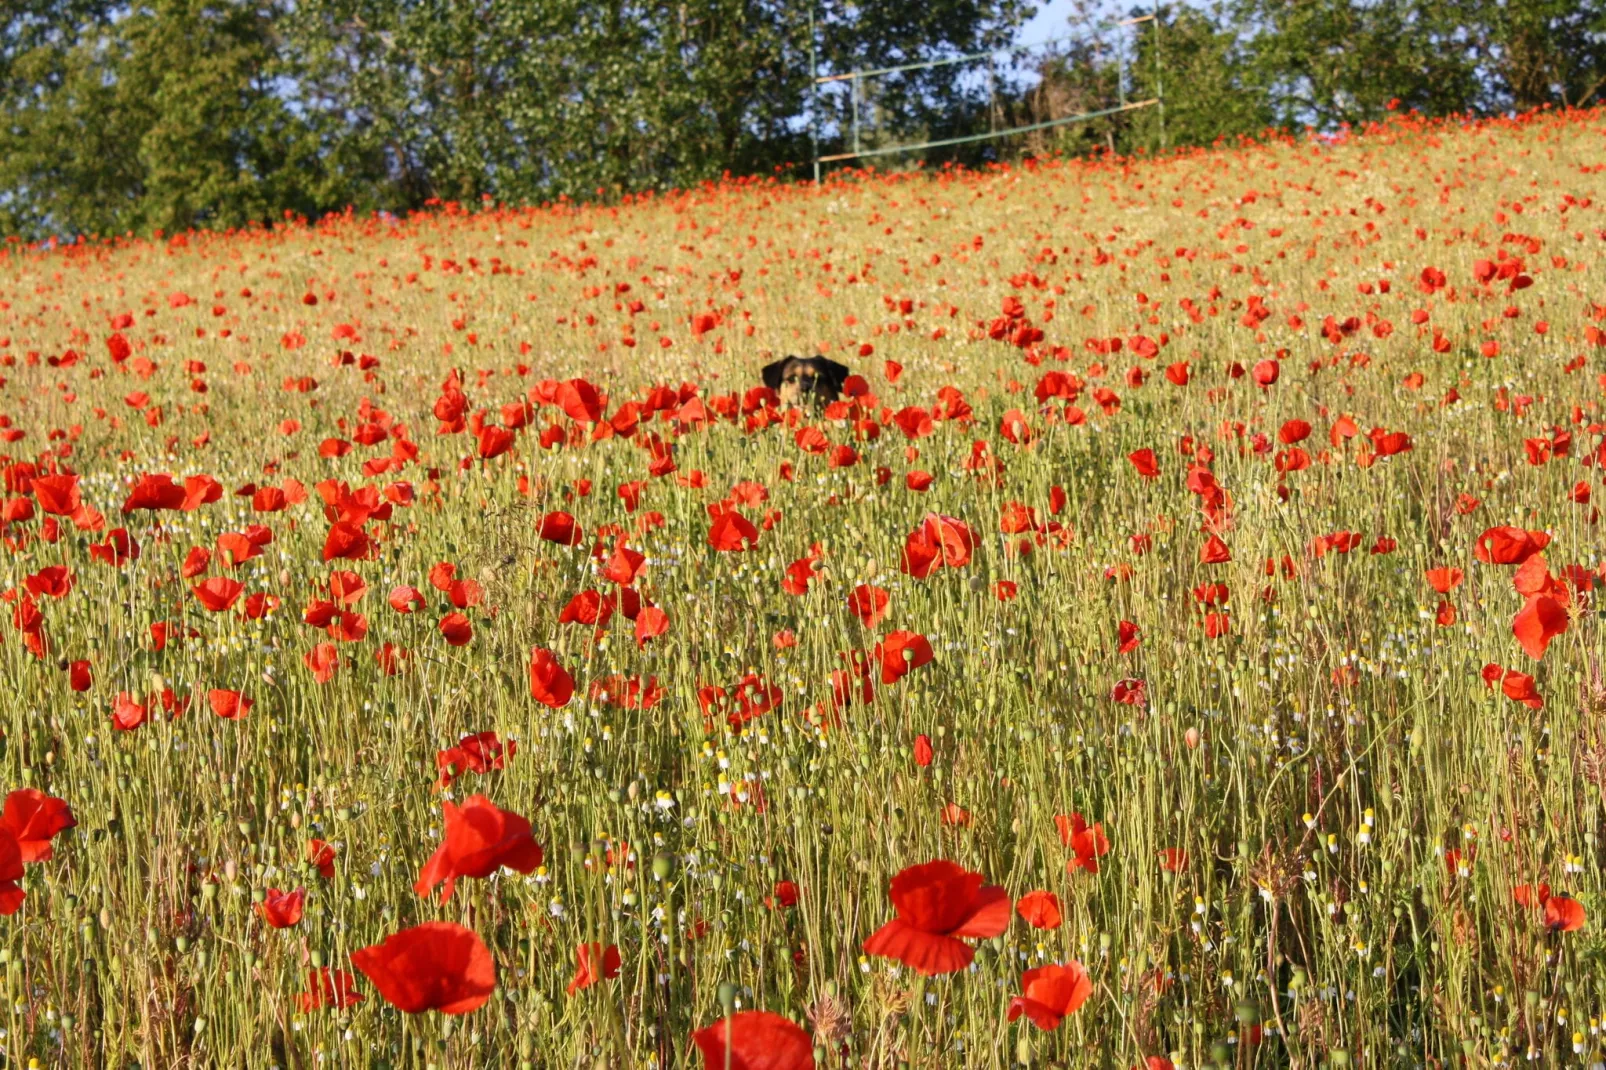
column 428, row 644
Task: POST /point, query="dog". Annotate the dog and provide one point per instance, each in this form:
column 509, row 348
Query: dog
column 805, row 381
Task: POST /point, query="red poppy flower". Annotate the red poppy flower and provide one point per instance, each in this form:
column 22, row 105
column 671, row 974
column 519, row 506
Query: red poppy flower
column 1529, row 896
column 625, row 566
column 1544, row 612
column 799, row 574
column 593, row 963
column 1130, row 693
column 282, row 909
column 218, row 593
column 922, row 751
column 1040, row 910
column 550, row 684
column 230, row 705
column 651, row 622
column 1519, row 687
column 869, row 604
column 1051, row 993
column 1541, row 619
column 57, row 495
column 937, row 903
column 1145, row 462
column 155, row 492
column 79, row 675
column 322, row 855
column 1508, row 545
column 1214, row 552
column 953, row 537
column 334, row 989
column 347, row 588
column 1293, row 431
column 127, row 714
column 259, row 605
column 53, row 581
column 438, row 965
column 755, row 1040
column 1444, row 579
column 1564, row 914
column 1087, row 842
column 478, row 753
column 901, row 652
column 403, row 599
column 1006, row 590
column 561, row 528
column 1127, row 635
column 34, row 818
column 1174, row 860
column 479, row 839
column 346, row 541
column 732, row 532
column 322, row 661
column 588, row 608
column 11, row 871
column 456, row 629
column 118, row 550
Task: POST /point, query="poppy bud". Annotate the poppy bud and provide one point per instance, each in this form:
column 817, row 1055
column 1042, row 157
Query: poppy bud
column 663, row 864
column 1191, row 738
column 727, row 996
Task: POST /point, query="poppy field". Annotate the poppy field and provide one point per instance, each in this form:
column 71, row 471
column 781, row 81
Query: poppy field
column 428, row 643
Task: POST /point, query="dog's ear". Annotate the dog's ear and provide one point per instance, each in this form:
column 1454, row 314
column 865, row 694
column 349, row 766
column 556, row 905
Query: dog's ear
column 772, row 373
column 838, row 373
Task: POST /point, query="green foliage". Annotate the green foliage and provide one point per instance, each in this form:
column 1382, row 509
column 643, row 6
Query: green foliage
column 164, row 118
column 168, row 114
column 1199, row 70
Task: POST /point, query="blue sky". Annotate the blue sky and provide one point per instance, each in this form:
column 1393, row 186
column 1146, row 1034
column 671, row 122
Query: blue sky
column 1052, row 15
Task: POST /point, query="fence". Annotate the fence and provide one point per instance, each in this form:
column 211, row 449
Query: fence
column 856, row 80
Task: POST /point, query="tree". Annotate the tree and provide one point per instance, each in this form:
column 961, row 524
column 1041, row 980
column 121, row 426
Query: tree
column 1542, row 52
column 1200, row 69
column 165, row 117
column 1325, row 63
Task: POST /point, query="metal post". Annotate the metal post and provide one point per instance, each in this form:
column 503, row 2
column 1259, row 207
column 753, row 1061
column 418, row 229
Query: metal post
column 814, row 97
column 1159, row 68
column 992, row 95
column 855, row 88
column 1120, row 70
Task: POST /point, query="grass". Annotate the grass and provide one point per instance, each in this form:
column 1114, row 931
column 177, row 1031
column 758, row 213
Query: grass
column 1317, row 763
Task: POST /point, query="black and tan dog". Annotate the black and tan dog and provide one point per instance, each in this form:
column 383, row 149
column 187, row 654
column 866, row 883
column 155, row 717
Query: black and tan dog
column 805, row 381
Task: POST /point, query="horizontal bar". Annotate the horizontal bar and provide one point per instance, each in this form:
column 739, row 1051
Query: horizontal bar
column 1094, row 32
column 1000, row 133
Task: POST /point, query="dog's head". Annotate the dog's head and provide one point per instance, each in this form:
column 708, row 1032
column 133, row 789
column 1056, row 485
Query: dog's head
column 805, row 380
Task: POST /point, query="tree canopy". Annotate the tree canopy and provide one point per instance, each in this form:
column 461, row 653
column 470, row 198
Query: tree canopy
column 167, row 114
